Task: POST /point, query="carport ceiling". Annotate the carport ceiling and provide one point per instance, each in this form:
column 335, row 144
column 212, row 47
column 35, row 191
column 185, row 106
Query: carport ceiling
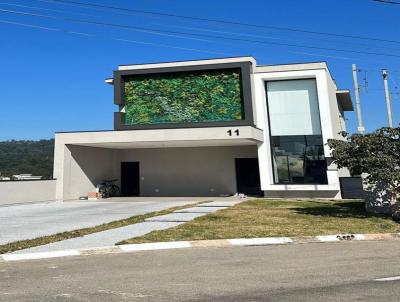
column 171, row 144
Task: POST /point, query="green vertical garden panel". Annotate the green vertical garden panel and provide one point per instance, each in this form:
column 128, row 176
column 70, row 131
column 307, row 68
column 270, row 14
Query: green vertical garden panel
column 183, row 97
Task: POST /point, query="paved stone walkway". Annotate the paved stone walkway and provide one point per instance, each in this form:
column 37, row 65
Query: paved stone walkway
column 176, row 217
column 199, row 210
column 219, row 204
column 111, row 237
column 105, row 238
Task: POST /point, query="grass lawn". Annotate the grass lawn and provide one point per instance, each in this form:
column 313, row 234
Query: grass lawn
column 28, row 243
column 269, row 218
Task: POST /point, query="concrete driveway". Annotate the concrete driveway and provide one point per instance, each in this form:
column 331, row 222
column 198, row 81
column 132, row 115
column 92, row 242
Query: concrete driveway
column 30, row 221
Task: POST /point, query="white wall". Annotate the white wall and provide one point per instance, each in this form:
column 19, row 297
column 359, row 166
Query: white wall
column 199, row 171
column 338, row 121
column 327, row 114
column 12, row 192
column 84, row 168
column 338, row 125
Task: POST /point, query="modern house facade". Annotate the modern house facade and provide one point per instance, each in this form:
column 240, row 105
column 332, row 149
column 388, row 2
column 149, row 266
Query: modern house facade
column 212, row 128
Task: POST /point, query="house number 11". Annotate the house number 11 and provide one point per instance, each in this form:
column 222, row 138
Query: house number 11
column 234, row 132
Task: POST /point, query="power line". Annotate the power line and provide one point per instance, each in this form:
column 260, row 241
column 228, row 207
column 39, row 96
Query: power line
column 396, row 86
column 154, row 44
column 268, row 37
column 381, row 89
column 202, row 29
column 371, row 70
column 45, row 9
column 386, row 2
column 30, row 25
column 291, row 29
column 177, row 33
column 110, row 38
column 161, row 45
column 146, row 43
column 132, row 28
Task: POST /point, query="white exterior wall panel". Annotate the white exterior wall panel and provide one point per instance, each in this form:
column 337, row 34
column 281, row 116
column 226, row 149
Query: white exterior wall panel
column 264, row 149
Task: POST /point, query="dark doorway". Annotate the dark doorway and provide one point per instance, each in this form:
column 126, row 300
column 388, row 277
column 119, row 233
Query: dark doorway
column 248, row 176
column 130, row 179
column 352, row 188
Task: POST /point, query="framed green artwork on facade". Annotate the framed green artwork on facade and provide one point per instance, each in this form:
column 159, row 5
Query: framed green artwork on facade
column 184, row 97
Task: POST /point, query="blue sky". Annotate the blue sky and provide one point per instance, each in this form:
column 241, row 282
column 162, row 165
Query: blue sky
column 53, row 70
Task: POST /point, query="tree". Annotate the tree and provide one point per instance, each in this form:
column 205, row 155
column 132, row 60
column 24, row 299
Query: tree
column 376, row 155
column 26, row 156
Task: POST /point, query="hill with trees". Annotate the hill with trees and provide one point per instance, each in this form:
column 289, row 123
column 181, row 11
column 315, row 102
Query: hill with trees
column 26, row 156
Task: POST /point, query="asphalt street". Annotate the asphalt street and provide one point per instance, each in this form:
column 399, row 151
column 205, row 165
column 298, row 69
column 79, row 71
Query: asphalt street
column 301, row 272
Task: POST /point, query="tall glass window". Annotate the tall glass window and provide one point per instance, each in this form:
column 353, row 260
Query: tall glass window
column 295, row 128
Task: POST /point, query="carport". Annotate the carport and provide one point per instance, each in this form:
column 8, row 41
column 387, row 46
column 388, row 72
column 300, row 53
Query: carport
column 155, row 162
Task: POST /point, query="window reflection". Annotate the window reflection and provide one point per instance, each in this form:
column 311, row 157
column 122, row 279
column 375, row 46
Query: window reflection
column 299, row 159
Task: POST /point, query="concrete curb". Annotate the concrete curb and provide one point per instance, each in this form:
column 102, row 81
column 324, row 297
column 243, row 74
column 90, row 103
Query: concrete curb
column 127, row 248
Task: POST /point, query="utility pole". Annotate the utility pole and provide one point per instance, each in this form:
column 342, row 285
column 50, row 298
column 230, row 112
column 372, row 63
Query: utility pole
column 360, row 127
column 387, row 96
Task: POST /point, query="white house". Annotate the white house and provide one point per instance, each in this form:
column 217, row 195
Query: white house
column 211, row 128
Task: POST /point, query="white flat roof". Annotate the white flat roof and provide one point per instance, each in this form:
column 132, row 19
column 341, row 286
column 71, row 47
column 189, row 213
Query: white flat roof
column 291, row 67
column 344, row 97
column 257, row 69
column 187, row 63
column 162, row 138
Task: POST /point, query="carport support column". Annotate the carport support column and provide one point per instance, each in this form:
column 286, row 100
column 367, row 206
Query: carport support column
column 59, row 167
